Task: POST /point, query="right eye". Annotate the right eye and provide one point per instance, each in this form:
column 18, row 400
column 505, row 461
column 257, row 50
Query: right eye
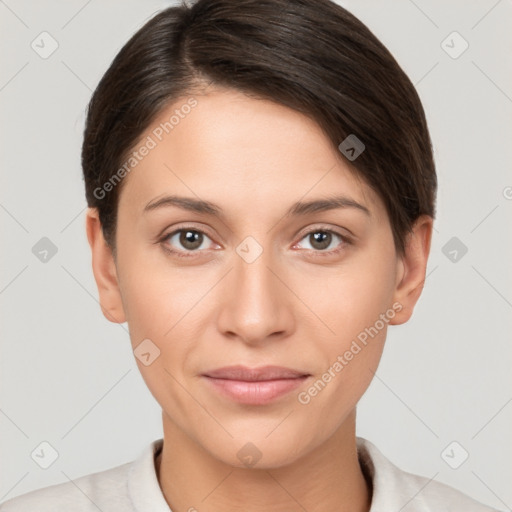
column 190, row 238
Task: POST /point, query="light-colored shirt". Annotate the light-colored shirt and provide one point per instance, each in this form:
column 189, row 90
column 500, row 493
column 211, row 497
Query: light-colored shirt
column 134, row 487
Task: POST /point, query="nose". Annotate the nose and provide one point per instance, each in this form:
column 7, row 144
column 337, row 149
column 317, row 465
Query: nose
column 256, row 305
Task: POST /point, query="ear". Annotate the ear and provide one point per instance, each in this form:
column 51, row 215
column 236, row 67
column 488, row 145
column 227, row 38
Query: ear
column 104, row 269
column 412, row 267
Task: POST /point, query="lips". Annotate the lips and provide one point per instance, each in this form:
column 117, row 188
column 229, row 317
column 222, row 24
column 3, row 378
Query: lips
column 243, row 373
column 254, row 386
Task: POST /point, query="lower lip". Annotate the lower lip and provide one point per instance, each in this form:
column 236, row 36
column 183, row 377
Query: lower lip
column 255, row 393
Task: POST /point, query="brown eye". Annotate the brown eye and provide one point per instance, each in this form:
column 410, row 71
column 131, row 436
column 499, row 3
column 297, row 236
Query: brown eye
column 190, row 239
column 185, row 240
column 320, row 239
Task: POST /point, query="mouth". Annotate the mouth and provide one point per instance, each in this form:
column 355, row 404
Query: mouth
column 256, row 386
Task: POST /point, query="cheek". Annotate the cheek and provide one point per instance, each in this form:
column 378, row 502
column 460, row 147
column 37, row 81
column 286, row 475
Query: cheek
column 349, row 355
column 163, row 304
column 158, row 323
column 350, row 298
column 353, row 307
column 155, row 295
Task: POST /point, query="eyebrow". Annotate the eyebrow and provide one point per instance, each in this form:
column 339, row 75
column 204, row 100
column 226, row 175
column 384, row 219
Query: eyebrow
column 297, row 209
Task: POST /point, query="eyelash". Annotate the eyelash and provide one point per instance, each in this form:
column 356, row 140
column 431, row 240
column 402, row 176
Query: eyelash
column 183, row 254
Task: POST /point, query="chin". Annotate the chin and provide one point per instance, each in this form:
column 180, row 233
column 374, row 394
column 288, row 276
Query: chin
column 260, row 451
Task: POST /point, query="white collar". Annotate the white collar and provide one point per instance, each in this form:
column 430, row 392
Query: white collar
column 392, row 487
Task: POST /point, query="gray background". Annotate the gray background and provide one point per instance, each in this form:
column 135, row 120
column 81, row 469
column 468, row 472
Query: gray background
column 68, row 376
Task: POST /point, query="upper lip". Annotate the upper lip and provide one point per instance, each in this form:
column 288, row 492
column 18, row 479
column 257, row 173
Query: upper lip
column 240, row 372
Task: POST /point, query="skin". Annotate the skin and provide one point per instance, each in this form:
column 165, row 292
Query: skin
column 254, row 158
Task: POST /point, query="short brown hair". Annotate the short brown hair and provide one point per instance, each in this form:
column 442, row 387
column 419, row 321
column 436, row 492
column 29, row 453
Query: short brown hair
column 310, row 55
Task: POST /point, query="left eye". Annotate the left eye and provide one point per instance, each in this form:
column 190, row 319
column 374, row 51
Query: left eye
column 321, row 239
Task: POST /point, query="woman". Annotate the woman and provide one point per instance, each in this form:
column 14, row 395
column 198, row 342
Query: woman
column 261, row 192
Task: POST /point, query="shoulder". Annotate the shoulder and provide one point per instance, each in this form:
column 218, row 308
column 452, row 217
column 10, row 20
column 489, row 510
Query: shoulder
column 104, row 490
column 394, row 488
column 129, row 487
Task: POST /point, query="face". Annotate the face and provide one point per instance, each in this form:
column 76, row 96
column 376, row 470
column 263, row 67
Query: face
column 246, row 282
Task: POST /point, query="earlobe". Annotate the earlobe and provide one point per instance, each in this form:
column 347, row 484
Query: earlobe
column 104, row 270
column 412, row 268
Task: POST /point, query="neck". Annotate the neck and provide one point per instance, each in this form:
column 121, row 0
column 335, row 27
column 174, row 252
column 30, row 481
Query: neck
column 327, row 478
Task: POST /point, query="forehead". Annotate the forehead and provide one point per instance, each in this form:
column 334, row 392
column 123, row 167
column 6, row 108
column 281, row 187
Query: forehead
column 241, row 150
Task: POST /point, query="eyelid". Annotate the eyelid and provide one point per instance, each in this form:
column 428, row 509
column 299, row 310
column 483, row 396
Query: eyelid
column 183, row 227
column 327, row 228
